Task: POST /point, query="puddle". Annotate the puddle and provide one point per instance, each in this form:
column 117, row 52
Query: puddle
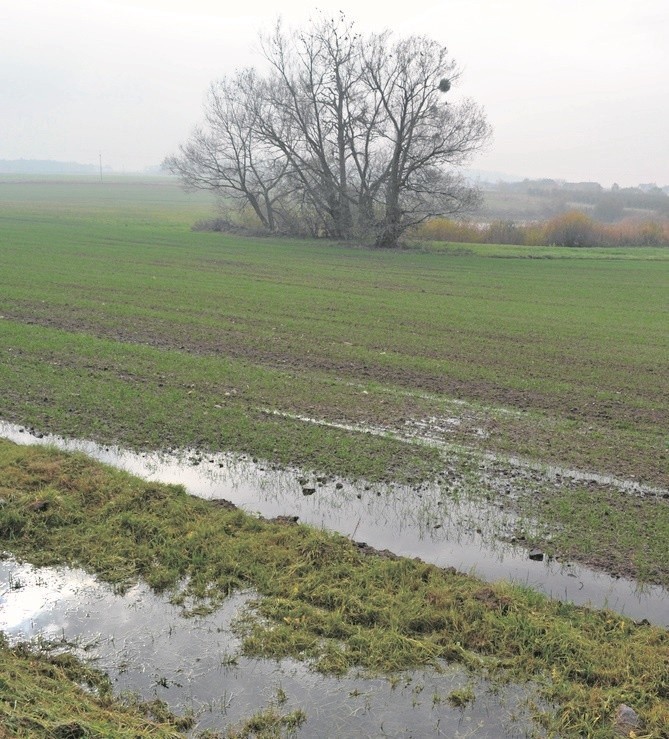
column 146, row 647
column 429, row 523
column 434, row 431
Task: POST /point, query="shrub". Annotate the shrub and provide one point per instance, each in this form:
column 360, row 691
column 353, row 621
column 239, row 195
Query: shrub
column 573, row 228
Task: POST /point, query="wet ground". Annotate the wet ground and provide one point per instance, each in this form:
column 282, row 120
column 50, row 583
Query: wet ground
column 437, row 523
column 146, row 647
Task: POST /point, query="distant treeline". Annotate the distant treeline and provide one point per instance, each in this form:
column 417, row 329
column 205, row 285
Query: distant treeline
column 604, row 205
column 573, row 228
column 46, row 166
column 651, row 197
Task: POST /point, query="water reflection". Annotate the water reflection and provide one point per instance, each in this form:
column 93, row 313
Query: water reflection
column 147, row 647
column 430, row 523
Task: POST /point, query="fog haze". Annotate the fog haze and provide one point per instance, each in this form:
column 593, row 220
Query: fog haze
column 573, row 90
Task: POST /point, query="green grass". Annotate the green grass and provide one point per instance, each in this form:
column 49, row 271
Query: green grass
column 41, row 698
column 322, row 599
column 625, row 535
column 269, row 723
column 117, row 199
column 121, row 324
column 155, row 398
column 104, row 285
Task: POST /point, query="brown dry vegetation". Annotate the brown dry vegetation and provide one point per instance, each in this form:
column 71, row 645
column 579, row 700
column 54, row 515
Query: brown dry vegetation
column 573, row 228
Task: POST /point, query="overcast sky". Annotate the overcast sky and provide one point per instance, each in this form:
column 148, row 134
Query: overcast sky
column 574, row 89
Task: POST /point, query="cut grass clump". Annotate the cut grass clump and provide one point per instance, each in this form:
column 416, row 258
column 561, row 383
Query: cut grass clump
column 322, row 598
column 269, row 724
column 460, row 698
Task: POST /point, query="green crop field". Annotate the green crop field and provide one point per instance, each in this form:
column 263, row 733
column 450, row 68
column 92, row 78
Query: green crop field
column 121, row 324
column 103, row 287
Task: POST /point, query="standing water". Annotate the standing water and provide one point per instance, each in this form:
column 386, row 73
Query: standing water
column 193, row 664
column 430, row 523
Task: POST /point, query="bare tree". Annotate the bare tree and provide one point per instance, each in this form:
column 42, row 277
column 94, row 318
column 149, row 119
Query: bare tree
column 422, row 136
column 229, row 156
column 313, row 81
column 351, row 133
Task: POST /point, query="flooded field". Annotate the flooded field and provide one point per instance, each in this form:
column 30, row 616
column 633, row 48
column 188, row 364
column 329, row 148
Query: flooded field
column 147, row 647
column 434, row 523
column 528, row 383
column 150, row 649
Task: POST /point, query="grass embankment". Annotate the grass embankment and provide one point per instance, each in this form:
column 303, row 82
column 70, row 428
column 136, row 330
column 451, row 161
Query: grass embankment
column 325, row 600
